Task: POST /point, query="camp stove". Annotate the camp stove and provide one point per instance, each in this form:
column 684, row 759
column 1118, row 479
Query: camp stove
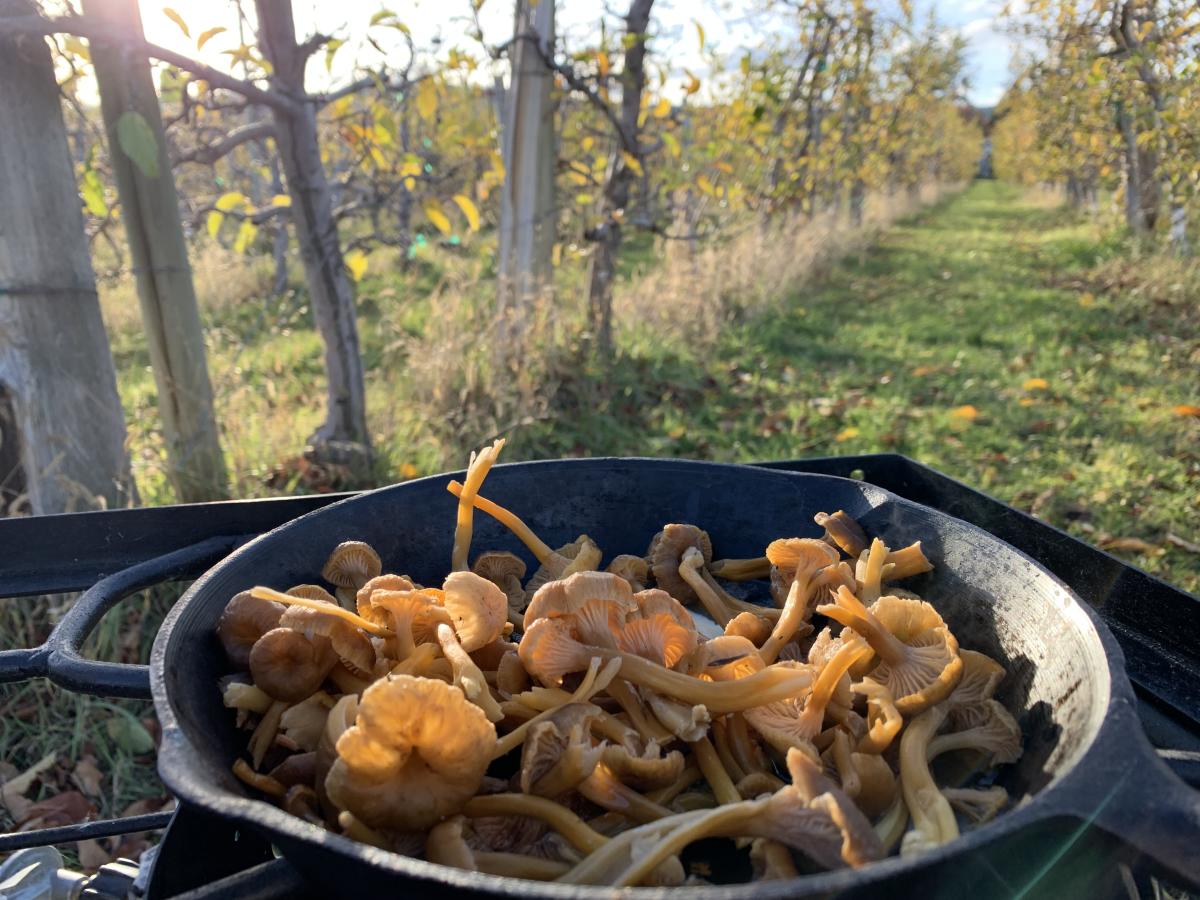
column 111, row 555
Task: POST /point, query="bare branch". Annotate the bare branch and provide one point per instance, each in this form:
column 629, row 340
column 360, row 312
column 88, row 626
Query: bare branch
column 208, row 154
column 81, row 26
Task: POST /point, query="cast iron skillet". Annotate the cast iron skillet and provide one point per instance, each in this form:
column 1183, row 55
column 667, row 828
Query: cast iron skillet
column 1085, row 760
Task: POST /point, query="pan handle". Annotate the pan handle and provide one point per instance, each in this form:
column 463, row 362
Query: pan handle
column 1129, row 792
column 63, row 663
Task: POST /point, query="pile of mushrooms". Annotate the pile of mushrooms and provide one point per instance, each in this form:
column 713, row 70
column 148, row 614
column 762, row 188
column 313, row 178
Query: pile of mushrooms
column 618, row 729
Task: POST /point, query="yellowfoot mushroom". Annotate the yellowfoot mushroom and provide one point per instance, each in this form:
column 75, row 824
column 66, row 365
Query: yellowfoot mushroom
column 843, row 531
column 244, row 621
column 477, row 469
column 793, row 558
column 505, row 570
column 351, row 565
column 558, row 752
column 417, row 752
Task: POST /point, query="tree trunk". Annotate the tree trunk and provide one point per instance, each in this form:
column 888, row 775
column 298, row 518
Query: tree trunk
column 150, row 213
column 62, row 429
column 858, row 198
column 1141, row 185
column 527, row 213
column 620, row 179
column 316, row 230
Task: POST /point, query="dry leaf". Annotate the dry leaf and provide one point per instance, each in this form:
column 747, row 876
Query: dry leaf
column 1131, row 545
column 967, row 412
column 91, row 854
column 1036, row 384
column 66, row 808
column 87, row 777
column 12, row 794
column 1185, row 409
column 847, row 434
column 1182, row 544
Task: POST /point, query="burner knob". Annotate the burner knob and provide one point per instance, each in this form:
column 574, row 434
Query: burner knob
column 114, row 881
column 37, row 873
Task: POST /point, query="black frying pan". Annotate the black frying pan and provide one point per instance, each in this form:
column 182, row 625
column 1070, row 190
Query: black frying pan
column 1086, row 760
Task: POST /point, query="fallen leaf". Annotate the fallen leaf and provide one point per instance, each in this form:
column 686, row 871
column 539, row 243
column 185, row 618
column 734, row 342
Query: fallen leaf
column 91, row 854
column 408, row 470
column 87, row 776
column 129, row 734
column 1087, row 299
column 12, row 793
column 66, row 808
column 846, row 434
column 1036, row 384
column 1185, row 409
column 1026, row 401
column 1182, row 544
column 1131, row 545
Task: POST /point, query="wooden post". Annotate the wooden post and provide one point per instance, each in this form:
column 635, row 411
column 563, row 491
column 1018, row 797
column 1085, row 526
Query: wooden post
column 527, row 213
column 150, row 212
column 61, row 422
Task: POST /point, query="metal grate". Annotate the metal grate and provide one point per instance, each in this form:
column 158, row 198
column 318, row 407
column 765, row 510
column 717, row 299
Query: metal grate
column 111, row 555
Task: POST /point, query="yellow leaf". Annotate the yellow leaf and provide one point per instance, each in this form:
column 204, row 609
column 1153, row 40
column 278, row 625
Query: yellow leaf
column 587, row 144
column 724, row 167
column 381, row 15
column 556, row 255
column 231, row 200
column 434, row 213
column 214, row 223
column 632, row 162
column 281, row 200
column 1036, row 384
column 1186, row 409
column 846, row 434
column 246, row 232
column 602, row 63
column 356, row 263
column 705, row 185
column 408, row 470
column 1026, row 401
column 427, row 99
column 177, row 19
column 208, row 35
column 693, row 83
column 584, row 199
column 1087, row 299
column 699, row 34
column 663, row 109
column 967, row 413
column 672, row 144
column 469, row 210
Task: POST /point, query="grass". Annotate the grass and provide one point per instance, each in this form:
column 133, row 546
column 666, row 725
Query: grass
column 995, row 336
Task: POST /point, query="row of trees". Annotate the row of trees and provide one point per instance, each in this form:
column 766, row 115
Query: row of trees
column 1110, row 100
column 540, row 153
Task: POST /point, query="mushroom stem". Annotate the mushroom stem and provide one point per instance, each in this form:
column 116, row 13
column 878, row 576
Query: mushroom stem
column 931, row 813
column 541, row 699
column 723, row 819
column 517, row 865
column 596, row 680
column 647, row 726
column 746, row 751
column 872, row 580
column 557, row 816
column 477, row 470
column 741, row 569
column 716, row 601
column 604, row 789
column 689, row 776
column 908, row 561
column 851, row 612
column 264, row 733
column 790, row 619
column 892, row 823
column 328, row 609
column 417, row 662
column 722, row 744
column 714, row 772
column 272, row 787
column 600, row 866
column 735, row 605
column 827, row 681
column 466, row 675
column 510, row 520
column 847, row 773
column 357, row 830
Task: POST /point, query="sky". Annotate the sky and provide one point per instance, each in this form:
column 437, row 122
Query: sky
column 727, row 26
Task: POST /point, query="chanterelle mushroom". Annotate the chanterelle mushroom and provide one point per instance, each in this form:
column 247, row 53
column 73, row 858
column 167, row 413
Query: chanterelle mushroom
column 505, row 570
column 633, row 569
column 919, row 656
column 416, row 754
column 666, row 553
column 351, row 565
column 243, row 622
column 477, row 470
column 478, row 609
column 289, row 666
column 793, row 558
column 558, row 752
column 841, row 530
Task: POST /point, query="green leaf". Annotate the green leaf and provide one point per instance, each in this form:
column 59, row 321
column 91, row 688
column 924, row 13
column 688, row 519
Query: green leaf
column 215, row 218
column 92, row 192
column 129, row 734
column 137, row 141
column 356, row 263
column 207, row 36
column 177, row 19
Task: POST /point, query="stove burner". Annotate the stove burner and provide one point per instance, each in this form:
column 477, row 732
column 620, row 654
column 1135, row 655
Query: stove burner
column 110, row 555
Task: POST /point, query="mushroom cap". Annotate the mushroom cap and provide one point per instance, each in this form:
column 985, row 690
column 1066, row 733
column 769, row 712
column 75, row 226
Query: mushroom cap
column 725, row 658
column 860, row 844
column 980, row 676
column 558, row 753
column 366, row 608
column 288, row 666
column 659, row 639
column 666, row 552
column 843, row 531
column 782, row 725
column 244, row 621
column 653, row 601
column 590, row 599
column 511, row 677
column 416, row 610
column 548, row 650
column 790, row 556
column 877, row 783
column 505, row 570
column 582, row 555
column 478, row 609
column 303, row 722
column 416, row 754
column 312, row 592
column 932, row 666
column 645, row 771
column 991, row 729
column 633, row 569
column 977, row 804
column 351, row 565
column 753, row 628
column 353, row 648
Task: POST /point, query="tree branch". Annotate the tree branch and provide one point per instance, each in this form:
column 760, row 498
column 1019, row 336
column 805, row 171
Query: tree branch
column 209, row 153
column 81, row 26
